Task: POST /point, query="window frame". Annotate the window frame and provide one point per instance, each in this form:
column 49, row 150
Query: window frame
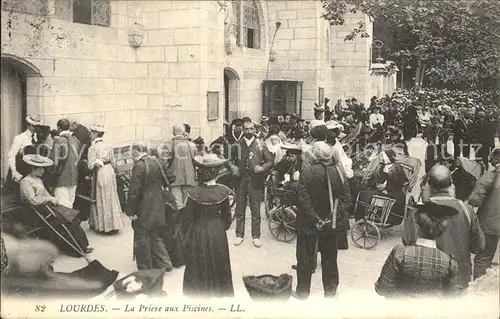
column 240, row 30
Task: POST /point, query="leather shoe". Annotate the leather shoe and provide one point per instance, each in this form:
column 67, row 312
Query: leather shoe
column 298, row 296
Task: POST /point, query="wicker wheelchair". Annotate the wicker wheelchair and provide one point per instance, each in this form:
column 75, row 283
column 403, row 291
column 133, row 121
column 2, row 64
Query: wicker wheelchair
column 281, row 210
column 366, row 233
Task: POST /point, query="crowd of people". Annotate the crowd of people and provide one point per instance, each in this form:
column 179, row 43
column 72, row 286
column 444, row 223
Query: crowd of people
column 180, row 192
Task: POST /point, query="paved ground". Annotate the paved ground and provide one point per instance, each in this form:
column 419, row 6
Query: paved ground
column 359, row 269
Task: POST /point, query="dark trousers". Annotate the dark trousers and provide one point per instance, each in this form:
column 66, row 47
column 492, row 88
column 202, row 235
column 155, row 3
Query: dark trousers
column 246, row 192
column 461, row 146
column 150, row 251
column 483, row 259
column 327, row 247
column 484, row 154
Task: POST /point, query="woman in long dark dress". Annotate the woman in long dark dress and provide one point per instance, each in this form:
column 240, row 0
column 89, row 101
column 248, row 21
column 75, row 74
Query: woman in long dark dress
column 205, row 220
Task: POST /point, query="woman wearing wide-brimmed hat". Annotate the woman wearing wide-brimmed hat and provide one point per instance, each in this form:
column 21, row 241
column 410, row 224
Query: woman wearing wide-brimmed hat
column 205, row 220
column 57, row 225
column 106, row 214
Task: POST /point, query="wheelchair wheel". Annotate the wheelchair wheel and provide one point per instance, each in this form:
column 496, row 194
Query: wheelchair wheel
column 282, row 223
column 271, row 200
column 365, row 234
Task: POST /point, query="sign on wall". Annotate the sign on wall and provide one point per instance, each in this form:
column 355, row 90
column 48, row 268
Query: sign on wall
column 212, row 105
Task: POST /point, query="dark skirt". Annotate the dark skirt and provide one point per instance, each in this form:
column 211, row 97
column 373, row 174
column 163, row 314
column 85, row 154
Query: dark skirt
column 208, row 268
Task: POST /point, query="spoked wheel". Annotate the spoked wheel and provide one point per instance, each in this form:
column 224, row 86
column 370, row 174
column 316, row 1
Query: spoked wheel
column 365, row 234
column 282, row 223
column 232, row 206
column 271, row 201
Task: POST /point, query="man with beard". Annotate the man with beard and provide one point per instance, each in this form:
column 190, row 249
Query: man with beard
column 251, row 160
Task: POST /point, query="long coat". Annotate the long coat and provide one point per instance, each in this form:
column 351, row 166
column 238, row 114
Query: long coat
column 146, row 198
column 487, row 197
column 313, row 196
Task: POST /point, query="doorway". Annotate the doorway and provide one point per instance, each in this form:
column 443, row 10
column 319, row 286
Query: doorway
column 17, row 75
column 231, row 94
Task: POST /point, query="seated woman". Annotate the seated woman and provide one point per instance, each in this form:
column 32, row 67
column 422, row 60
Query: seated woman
column 422, row 270
column 71, row 239
column 388, row 180
column 287, row 171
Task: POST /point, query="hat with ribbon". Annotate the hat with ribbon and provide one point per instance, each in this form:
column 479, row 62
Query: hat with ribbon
column 441, row 207
column 33, row 120
column 209, row 160
column 37, row 160
column 264, row 118
column 292, row 148
column 97, row 128
column 331, row 125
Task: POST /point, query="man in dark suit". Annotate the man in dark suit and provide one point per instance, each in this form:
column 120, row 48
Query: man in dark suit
column 146, row 208
column 461, row 136
column 250, row 161
column 316, row 222
column 485, row 137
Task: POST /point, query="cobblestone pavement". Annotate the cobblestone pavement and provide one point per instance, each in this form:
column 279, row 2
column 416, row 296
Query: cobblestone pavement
column 359, row 269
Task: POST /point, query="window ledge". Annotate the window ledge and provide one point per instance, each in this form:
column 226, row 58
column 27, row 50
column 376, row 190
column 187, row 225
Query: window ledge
column 250, row 52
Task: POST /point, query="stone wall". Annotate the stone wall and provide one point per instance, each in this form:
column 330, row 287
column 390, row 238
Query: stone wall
column 87, row 72
column 351, row 61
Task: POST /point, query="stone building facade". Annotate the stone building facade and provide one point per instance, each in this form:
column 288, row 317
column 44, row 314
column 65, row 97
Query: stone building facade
column 138, row 67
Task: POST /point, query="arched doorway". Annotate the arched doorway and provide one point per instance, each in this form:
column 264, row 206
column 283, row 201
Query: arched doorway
column 231, row 94
column 18, row 78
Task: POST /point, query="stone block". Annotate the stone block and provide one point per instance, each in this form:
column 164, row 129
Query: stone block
column 273, row 6
column 302, row 44
column 282, row 34
column 176, row 19
column 189, row 87
column 117, row 118
column 306, row 33
column 188, row 36
column 156, row 5
column 302, row 23
column 171, row 54
column 308, row 54
column 169, row 87
column 134, row 10
column 159, row 37
column 150, row 20
column 287, row 14
column 184, row 5
column 155, row 102
column 66, row 68
column 184, row 70
column 124, row 86
column 307, row 13
column 148, row 86
column 189, row 53
column 158, row 70
column 150, row 54
column 282, row 44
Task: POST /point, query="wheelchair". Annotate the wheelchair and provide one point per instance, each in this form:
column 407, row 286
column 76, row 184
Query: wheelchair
column 281, row 210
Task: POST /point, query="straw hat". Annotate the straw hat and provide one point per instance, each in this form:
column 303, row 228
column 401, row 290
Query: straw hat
column 264, row 118
column 209, row 160
column 33, row 120
column 37, row 160
column 97, row 128
column 331, row 125
column 440, row 208
column 292, row 148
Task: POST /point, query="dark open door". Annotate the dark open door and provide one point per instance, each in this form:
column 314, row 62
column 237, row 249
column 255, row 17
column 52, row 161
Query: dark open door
column 281, row 96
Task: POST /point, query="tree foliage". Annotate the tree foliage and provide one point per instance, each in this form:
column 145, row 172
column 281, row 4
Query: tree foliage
column 456, row 42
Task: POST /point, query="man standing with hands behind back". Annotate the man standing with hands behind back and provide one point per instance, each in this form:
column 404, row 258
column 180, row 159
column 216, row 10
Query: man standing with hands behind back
column 251, row 160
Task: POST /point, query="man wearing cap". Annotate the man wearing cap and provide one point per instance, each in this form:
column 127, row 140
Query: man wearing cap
column 251, row 160
column 376, row 123
column 486, row 196
column 65, row 155
column 20, row 142
column 318, row 134
column 318, row 190
column 463, row 236
column 338, row 151
column 236, row 131
column 264, row 127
